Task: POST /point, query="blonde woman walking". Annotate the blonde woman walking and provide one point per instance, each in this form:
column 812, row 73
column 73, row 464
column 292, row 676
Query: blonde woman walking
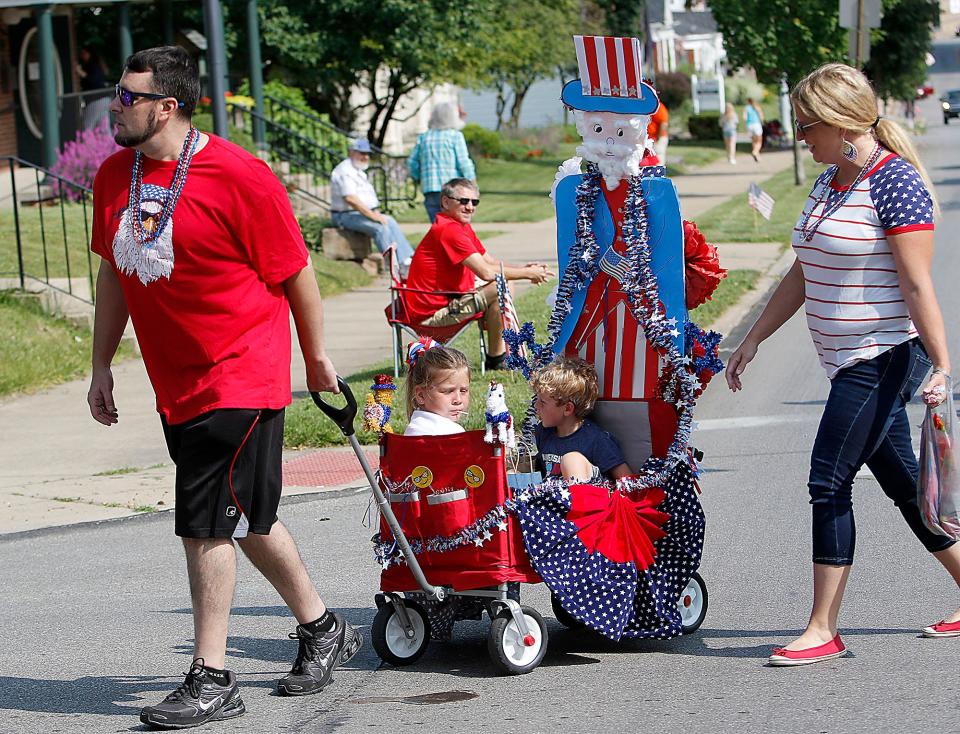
column 864, row 247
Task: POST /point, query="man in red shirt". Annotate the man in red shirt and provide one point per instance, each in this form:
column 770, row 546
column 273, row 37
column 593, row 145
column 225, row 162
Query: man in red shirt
column 450, row 259
column 200, row 248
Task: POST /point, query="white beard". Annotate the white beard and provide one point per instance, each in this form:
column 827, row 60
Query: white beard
column 624, row 163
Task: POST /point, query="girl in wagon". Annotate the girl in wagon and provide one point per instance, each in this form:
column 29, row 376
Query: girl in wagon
column 438, row 389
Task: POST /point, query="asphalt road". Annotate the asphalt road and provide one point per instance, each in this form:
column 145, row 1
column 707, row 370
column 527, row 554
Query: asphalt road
column 98, row 623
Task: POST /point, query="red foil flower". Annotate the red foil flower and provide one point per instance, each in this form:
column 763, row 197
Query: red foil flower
column 702, row 266
column 621, row 528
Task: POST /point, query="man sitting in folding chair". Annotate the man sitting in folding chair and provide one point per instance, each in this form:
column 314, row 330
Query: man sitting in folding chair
column 452, row 259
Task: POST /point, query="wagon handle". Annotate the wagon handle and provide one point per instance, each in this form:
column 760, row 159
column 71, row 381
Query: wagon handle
column 344, row 416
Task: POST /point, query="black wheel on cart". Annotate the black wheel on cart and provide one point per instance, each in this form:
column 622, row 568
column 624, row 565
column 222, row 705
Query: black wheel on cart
column 511, row 651
column 390, row 640
column 693, row 604
column 563, row 616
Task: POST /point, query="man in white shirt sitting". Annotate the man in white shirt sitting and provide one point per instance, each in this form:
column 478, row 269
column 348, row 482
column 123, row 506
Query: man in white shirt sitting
column 354, row 204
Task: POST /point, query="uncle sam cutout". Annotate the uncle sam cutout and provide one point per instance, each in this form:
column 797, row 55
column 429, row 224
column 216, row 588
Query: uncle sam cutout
column 611, row 105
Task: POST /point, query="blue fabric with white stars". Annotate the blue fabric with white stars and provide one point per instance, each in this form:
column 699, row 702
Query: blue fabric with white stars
column 900, row 195
column 612, row 598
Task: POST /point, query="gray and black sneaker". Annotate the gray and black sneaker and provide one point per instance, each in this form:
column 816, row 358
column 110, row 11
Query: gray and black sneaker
column 318, row 656
column 196, row 701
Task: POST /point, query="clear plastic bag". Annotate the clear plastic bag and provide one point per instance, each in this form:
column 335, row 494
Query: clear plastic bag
column 938, row 488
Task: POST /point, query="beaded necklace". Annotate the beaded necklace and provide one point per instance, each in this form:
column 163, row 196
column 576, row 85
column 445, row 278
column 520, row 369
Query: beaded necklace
column 147, row 235
column 807, row 228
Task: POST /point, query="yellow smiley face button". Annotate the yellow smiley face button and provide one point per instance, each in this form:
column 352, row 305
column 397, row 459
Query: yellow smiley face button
column 421, row 477
column 474, row 476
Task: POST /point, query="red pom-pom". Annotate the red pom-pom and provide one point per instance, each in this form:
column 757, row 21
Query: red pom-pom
column 702, row 266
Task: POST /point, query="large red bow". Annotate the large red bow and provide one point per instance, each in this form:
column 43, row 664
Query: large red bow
column 623, row 529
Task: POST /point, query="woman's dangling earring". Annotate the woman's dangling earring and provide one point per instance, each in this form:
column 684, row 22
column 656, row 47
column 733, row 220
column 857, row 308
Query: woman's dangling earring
column 849, row 150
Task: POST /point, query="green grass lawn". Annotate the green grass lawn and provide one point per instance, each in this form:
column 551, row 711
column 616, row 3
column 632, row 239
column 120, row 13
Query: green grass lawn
column 728, row 293
column 38, row 350
column 735, row 221
column 66, row 234
column 338, row 276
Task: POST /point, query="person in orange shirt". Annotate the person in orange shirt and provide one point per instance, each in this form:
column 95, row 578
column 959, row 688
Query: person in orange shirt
column 658, row 131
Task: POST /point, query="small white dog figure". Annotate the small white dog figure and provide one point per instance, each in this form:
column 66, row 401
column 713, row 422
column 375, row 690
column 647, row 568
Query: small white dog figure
column 498, row 416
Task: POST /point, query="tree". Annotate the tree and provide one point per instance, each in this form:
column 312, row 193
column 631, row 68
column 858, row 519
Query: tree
column 527, row 42
column 623, row 17
column 781, row 38
column 389, row 47
column 899, row 48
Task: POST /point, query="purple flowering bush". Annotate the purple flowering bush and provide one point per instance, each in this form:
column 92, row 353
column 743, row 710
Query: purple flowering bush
column 82, row 157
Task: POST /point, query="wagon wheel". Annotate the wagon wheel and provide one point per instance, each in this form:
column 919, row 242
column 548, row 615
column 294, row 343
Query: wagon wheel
column 391, row 641
column 512, row 652
column 693, row 604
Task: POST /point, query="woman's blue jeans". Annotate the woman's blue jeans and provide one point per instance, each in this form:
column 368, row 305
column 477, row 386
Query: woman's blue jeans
column 865, row 422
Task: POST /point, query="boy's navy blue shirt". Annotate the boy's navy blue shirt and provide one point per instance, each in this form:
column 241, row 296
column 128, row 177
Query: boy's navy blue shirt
column 599, row 447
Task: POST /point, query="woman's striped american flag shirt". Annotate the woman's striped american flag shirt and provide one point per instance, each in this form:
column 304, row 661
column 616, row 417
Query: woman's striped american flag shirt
column 854, row 307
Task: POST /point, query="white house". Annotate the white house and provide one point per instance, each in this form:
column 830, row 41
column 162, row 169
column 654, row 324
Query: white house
column 684, row 37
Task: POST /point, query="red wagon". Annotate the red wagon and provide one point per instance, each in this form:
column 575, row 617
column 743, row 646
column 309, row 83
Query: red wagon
column 446, row 492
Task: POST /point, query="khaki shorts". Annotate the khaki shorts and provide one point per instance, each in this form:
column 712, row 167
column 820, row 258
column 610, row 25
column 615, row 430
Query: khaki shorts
column 458, row 309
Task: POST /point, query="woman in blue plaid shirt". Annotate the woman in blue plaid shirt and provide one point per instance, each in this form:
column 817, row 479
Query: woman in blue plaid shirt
column 440, row 155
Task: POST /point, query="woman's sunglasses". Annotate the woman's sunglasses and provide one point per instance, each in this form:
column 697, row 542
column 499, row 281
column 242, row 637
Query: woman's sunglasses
column 127, row 98
column 802, row 129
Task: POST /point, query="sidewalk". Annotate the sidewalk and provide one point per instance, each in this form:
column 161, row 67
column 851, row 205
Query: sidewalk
column 57, row 466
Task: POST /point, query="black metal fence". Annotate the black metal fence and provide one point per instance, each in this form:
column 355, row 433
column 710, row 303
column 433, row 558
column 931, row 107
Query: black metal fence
column 311, row 144
column 45, row 224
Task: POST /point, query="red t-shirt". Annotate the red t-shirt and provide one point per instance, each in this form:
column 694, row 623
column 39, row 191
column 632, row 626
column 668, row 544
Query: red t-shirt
column 438, row 266
column 207, row 300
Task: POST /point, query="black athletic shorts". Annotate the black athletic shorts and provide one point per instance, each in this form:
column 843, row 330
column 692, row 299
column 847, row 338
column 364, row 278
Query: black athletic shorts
column 229, row 472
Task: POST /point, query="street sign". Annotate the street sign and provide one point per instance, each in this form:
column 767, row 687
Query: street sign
column 860, row 16
column 850, row 13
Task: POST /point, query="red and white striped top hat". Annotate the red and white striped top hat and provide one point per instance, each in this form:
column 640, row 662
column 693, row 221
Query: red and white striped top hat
column 611, row 77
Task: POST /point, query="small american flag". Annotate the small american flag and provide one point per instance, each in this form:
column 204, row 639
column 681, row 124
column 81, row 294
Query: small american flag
column 508, row 312
column 760, row 200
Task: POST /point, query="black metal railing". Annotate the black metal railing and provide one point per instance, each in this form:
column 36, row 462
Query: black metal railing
column 47, row 237
column 309, row 162
column 388, row 172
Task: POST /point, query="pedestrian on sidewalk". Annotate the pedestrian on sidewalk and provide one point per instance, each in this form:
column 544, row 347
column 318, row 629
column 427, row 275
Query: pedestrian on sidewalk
column 200, row 248
column 354, row 204
column 440, row 155
column 864, row 246
column 728, row 123
column 753, row 116
column 448, row 263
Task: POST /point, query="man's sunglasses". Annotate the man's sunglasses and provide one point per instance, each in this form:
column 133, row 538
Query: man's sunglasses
column 127, row 98
column 463, row 201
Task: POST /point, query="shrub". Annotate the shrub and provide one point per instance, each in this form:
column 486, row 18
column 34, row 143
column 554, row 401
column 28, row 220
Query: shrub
column 311, row 226
column 482, row 142
column 673, row 88
column 82, row 157
column 705, row 126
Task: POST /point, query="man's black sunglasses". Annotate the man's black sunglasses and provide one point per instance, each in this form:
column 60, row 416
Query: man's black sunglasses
column 127, row 98
column 463, row 200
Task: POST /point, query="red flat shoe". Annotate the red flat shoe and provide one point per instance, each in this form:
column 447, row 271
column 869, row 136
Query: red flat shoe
column 942, row 629
column 786, row 658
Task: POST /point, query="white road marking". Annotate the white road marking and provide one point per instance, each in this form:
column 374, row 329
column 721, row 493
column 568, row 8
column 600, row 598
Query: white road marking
column 751, row 421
